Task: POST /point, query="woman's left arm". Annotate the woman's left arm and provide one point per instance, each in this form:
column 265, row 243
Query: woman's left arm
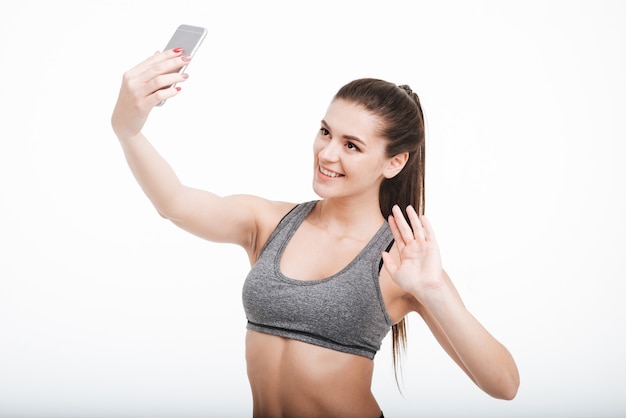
column 419, row 272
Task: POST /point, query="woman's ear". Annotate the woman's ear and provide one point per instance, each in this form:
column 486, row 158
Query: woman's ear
column 395, row 165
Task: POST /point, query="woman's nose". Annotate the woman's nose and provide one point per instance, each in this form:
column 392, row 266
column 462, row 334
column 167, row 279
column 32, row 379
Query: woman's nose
column 330, row 151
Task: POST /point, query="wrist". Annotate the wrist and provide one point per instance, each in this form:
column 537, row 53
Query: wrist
column 127, row 137
column 435, row 296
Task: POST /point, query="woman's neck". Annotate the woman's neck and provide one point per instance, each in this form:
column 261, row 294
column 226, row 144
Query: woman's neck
column 348, row 217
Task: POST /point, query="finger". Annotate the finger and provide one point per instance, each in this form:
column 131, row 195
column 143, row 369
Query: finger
column 162, row 82
column 159, row 56
column 428, row 229
column 395, row 232
column 403, row 226
column 162, row 95
column 158, row 64
column 143, row 65
column 169, row 66
column 389, row 263
column 416, row 224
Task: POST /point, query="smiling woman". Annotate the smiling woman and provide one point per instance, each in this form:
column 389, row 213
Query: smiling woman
column 317, row 299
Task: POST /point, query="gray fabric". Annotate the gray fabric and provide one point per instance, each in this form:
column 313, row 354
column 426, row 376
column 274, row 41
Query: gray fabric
column 344, row 312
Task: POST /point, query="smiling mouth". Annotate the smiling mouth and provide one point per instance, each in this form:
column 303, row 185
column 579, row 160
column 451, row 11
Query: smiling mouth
column 329, row 173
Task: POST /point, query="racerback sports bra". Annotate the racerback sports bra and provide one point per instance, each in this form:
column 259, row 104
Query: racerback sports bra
column 344, row 312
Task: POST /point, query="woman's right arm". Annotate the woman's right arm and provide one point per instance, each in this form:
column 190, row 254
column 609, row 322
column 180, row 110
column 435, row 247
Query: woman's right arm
column 231, row 219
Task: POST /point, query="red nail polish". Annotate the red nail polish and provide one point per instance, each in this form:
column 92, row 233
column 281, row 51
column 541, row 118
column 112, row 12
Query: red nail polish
column 177, row 88
column 177, row 50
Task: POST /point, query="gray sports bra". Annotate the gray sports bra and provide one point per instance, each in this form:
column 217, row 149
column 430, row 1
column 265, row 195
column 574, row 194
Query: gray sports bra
column 344, row 312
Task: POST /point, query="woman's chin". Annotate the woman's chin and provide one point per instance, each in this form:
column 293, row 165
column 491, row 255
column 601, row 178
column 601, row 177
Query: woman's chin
column 321, row 190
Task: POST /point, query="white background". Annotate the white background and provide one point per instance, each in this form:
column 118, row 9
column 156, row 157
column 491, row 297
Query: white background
column 107, row 310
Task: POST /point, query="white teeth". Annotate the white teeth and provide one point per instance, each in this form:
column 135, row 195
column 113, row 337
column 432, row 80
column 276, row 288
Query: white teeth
column 328, row 173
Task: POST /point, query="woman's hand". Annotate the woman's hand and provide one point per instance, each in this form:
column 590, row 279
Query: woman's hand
column 420, row 267
column 145, row 86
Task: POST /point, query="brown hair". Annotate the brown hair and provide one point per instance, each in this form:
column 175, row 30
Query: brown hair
column 403, row 126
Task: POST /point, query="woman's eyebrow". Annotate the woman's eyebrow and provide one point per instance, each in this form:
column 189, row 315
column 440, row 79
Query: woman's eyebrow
column 348, row 137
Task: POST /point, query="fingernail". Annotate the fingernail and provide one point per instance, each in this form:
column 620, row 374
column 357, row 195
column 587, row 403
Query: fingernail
column 177, row 50
column 187, row 58
column 184, row 75
column 177, row 88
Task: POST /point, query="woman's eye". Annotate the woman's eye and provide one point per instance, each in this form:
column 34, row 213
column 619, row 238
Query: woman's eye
column 324, row 131
column 351, row 146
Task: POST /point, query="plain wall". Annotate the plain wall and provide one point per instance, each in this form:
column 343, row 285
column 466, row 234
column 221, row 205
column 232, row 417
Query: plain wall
column 107, row 310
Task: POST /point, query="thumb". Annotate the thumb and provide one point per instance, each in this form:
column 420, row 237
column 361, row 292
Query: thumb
column 389, row 263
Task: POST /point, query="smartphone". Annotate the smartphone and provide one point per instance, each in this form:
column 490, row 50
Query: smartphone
column 187, row 37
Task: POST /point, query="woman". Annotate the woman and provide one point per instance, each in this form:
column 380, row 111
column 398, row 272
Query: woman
column 318, row 302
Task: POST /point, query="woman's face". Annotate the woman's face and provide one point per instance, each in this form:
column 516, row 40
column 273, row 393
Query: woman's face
column 349, row 153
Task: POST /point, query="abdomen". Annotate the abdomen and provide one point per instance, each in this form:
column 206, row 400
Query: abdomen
column 293, row 378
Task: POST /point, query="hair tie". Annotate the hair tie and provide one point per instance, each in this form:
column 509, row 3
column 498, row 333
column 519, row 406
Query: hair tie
column 407, row 89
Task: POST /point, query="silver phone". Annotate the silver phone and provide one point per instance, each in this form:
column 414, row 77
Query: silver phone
column 187, row 37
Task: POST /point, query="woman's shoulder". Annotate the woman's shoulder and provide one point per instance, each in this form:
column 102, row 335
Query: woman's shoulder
column 265, row 209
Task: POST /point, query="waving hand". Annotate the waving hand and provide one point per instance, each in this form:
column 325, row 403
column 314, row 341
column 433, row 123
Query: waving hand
column 419, row 268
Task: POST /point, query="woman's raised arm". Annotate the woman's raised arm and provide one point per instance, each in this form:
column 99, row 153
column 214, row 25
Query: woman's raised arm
column 231, row 219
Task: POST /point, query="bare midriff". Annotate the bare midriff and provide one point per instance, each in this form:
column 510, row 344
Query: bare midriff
column 290, row 378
